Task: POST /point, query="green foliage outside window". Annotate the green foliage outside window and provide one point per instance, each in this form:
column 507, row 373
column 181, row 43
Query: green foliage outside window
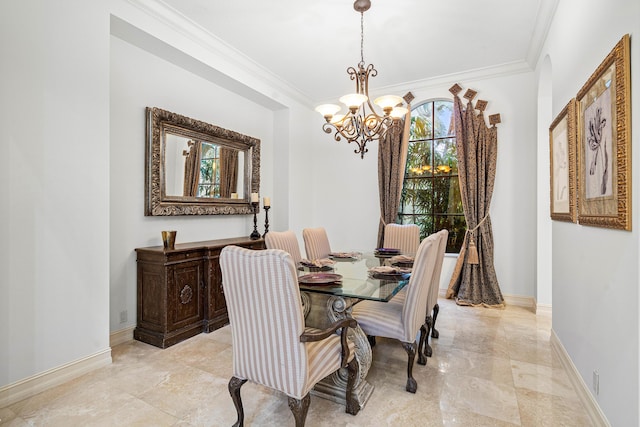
column 209, row 184
column 431, row 193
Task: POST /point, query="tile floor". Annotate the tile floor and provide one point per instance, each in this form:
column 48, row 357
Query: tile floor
column 489, row 368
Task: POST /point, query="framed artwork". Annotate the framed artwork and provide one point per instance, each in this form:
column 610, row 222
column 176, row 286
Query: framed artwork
column 562, row 149
column 604, row 143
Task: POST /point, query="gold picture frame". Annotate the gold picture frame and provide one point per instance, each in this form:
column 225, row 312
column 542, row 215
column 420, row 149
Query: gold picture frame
column 562, row 151
column 604, row 143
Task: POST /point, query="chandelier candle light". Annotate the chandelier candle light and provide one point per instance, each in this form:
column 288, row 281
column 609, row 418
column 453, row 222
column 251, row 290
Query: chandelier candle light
column 361, row 123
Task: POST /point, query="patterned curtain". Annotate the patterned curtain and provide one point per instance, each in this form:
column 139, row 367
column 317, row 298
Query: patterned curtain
column 392, row 157
column 474, row 280
column 191, row 169
column 228, row 172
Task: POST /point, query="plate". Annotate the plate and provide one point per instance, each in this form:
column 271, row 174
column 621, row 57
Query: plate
column 390, row 276
column 319, row 278
column 387, row 251
column 315, row 268
column 342, row 256
column 404, row 264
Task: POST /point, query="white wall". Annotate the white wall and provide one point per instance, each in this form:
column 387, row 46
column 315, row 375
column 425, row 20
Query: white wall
column 55, row 173
column 149, row 67
column 139, row 79
column 595, row 270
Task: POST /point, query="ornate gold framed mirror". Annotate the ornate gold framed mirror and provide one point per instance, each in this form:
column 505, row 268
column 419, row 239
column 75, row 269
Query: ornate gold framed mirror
column 196, row 168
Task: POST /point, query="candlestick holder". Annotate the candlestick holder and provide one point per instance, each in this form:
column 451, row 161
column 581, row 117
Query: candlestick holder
column 266, row 220
column 255, row 235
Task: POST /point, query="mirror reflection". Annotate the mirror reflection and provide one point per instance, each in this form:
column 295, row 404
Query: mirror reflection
column 195, row 168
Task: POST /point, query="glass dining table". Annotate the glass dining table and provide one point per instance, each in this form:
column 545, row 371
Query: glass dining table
column 328, row 294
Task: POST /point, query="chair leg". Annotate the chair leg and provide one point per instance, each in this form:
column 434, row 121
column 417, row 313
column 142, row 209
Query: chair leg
column 410, row 348
column 299, row 408
column 428, row 351
column 424, row 334
column 434, row 331
column 353, row 407
column 372, row 340
column 234, row 390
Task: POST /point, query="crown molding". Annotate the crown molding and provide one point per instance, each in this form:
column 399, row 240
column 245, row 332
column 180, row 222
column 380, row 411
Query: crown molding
column 546, row 12
column 223, row 57
column 447, row 80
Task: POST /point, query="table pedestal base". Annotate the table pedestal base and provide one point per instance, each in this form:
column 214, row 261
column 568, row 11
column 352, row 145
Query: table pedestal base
column 320, row 311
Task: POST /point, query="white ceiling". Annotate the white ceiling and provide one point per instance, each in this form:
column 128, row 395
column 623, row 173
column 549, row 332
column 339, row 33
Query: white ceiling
column 310, row 43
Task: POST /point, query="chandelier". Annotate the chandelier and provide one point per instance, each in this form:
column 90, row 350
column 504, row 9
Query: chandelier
column 361, row 124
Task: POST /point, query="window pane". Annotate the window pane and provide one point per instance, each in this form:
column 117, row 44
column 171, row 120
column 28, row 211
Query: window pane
column 457, row 227
column 416, row 197
column 421, row 126
column 442, row 197
column 443, row 119
column 208, row 151
column 444, row 156
column 419, row 159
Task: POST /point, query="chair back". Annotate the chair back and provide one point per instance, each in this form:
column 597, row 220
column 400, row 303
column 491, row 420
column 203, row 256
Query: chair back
column 285, row 240
column 316, row 243
column 418, row 288
column 266, row 318
column 405, row 237
column 443, row 236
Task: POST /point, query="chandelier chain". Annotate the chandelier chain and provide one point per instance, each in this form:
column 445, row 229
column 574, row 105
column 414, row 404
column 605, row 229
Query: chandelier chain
column 362, row 38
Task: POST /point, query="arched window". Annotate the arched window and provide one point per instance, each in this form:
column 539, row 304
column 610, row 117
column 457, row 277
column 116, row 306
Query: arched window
column 431, row 193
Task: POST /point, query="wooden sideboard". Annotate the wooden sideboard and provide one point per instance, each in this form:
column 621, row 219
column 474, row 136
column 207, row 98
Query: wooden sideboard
column 180, row 291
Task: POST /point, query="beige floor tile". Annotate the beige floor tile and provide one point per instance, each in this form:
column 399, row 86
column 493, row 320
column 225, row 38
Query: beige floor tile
column 541, row 378
column 541, row 409
column 489, row 368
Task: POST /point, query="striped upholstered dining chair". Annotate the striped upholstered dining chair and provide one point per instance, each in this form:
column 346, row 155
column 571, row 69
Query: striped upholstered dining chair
column 432, row 309
column 316, row 243
column 405, row 237
column 432, row 303
column 402, row 320
column 270, row 345
column 285, row 240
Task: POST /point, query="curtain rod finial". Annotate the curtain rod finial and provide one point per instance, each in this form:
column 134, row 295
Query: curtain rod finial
column 455, row 89
column 470, row 94
column 408, row 98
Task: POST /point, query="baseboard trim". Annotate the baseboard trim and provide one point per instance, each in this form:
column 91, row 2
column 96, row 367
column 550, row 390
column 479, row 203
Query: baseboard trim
column 122, row 336
column 582, row 390
column 520, row 301
column 517, row 300
column 544, row 309
column 35, row 384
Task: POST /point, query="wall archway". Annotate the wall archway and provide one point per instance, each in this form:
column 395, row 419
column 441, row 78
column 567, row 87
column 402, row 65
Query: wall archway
column 543, row 283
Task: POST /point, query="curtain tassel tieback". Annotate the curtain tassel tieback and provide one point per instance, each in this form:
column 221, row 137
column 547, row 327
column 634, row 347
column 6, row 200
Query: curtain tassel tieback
column 472, row 257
